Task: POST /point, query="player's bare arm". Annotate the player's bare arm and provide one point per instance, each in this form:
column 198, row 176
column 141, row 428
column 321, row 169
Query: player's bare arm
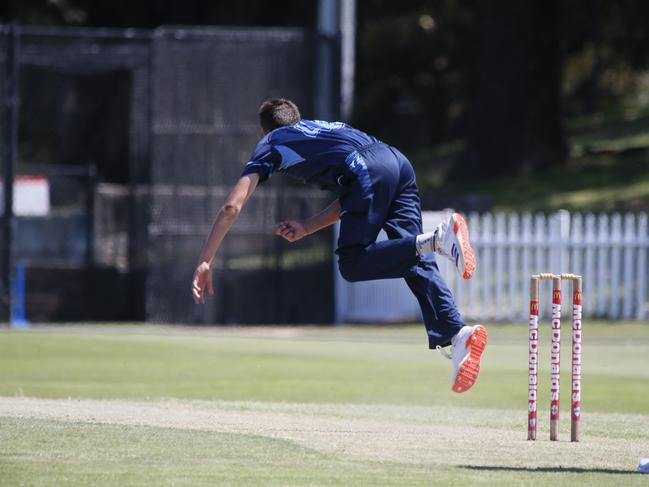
column 293, row 230
column 225, row 218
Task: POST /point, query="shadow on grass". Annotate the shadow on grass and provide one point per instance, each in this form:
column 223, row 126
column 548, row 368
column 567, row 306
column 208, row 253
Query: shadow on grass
column 604, row 181
column 496, row 468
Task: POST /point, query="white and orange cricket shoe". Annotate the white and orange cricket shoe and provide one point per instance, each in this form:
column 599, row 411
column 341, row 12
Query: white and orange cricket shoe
column 452, row 241
column 467, row 348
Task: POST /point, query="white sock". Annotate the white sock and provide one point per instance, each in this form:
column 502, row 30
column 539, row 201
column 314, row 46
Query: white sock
column 425, row 243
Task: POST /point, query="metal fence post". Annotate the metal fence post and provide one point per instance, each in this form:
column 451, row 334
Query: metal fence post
column 327, row 104
column 559, row 224
column 10, row 155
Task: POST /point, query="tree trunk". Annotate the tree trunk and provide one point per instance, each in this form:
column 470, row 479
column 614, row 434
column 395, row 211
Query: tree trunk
column 516, row 120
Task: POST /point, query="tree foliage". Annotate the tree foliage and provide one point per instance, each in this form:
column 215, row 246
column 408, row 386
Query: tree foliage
column 501, row 74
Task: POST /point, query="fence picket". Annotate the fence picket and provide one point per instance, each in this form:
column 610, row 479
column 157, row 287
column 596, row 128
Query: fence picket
column 487, row 269
column 476, row 234
column 627, row 279
column 589, row 263
column 641, row 305
column 559, row 233
column 616, row 251
column 499, row 265
column 513, row 239
column 576, row 241
column 602, row 247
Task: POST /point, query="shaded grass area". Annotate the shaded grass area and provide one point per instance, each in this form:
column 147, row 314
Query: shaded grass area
column 608, row 170
column 96, row 454
column 47, row 452
column 613, row 133
column 590, row 183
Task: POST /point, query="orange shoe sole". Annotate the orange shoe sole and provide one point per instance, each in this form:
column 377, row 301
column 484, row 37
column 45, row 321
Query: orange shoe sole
column 461, row 230
column 467, row 372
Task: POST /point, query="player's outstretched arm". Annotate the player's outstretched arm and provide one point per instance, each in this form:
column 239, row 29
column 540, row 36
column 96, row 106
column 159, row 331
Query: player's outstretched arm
column 293, row 230
column 225, row 218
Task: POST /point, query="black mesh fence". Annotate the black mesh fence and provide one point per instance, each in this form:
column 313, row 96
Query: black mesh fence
column 256, row 275
column 158, row 124
column 4, row 35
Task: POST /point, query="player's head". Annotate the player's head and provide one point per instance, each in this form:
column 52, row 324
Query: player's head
column 277, row 112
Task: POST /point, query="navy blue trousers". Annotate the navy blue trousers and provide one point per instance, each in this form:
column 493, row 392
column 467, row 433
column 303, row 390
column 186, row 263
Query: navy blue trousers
column 384, row 195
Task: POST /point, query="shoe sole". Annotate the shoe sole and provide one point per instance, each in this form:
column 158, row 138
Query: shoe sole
column 467, row 372
column 461, row 231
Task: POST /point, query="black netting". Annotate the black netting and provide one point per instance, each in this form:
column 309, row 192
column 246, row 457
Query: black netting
column 141, row 134
column 3, row 95
column 207, row 88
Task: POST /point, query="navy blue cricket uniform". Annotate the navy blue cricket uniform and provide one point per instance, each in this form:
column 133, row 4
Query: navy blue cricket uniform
column 377, row 190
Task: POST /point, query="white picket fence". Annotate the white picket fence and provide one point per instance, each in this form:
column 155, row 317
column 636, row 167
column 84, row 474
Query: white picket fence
column 609, row 251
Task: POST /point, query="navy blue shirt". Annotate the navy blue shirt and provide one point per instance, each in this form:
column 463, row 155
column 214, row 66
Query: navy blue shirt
column 312, row 151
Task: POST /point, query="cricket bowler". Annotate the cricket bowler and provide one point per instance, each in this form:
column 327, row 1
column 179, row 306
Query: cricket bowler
column 375, row 189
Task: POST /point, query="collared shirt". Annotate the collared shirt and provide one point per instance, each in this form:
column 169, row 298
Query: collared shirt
column 313, row 151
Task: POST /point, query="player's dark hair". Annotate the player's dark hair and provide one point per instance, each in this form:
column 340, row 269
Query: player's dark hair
column 278, row 112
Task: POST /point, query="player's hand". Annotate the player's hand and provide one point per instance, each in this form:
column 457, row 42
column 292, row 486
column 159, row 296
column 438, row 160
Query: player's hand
column 291, row 230
column 202, row 281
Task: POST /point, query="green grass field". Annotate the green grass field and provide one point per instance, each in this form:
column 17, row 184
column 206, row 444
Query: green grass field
column 151, row 405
